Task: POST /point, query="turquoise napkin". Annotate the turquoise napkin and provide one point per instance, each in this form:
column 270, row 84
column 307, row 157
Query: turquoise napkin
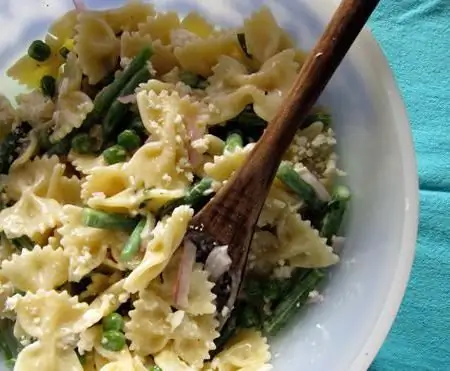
column 415, row 36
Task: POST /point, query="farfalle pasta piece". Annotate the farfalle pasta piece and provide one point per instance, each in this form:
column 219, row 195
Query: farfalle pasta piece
column 248, row 350
column 40, row 268
column 195, row 23
column 163, row 60
column 35, row 108
column 85, row 164
column 8, row 116
column 32, row 216
column 29, row 148
column 202, row 55
column 163, row 162
column 7, row 248
column 96, row 45
column 6, row 291
column 99, row 283
column 51, row 316
column 169, row 360
column 45, row 356
column 167, row 236
column 301, row 244
column 160, row 26
column 131, row 43
column 129, row 16
column 148, row 329
column 86, row 247
column 264, row 38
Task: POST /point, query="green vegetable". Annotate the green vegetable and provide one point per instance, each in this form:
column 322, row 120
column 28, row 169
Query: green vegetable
column 132, row 246
column 234, row 141
column 138, row 127
column 83, row 143
column 48, row 85
column 11, row 146
column 39, row 51
column 292, row 301
column 81, row 357
column 226, row 333
column 190, row 78
column 115, row 154
column 323, row 117
column 23, row 242
column 248, row 317
column 155, row 368
column 118, row 110
column 129, row 140
column 202, row 84
column 61, row 147
column 113, row 322
column 193, row 197
column 292, row 180
column 250, row 118
column 103, row 220
column 272, row 290
column 335, row 212
column 113, row 340
column 64, row 52
column 243, row 44
column 9, row 345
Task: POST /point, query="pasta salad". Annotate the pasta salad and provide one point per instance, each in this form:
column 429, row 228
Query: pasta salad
column 133, row 120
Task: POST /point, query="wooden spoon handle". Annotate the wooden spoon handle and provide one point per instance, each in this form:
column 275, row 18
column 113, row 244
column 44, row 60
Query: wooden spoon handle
column 237, row 206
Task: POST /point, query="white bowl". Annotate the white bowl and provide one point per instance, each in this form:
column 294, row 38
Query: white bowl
column 363, row 293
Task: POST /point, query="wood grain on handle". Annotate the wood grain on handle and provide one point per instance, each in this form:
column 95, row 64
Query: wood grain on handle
column 230, row 217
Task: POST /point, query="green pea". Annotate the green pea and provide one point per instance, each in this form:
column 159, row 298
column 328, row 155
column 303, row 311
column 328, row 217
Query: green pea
column 113, row 322
column 129, row 140
column 154, row 368
column 114, row 154
column 39, row 51
column 83, row 143
column 48, row 85
column 113, row 340
column 64, row 52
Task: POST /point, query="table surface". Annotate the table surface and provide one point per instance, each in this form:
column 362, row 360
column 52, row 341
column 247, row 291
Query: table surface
column 415, row 36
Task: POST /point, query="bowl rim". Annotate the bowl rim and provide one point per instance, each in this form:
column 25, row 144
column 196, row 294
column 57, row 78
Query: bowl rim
column 379, row 62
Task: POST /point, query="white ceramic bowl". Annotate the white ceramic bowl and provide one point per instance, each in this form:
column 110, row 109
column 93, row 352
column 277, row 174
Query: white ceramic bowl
column 363, row 293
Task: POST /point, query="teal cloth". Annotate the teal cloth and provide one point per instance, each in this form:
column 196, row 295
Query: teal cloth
column 415, row 36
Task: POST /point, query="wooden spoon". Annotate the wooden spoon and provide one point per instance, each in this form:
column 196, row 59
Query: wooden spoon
column 230, row 217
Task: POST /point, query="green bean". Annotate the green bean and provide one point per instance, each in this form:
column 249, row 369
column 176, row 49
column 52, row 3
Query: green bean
column 9, row 345
column 291, row 303
column 114, row 154
column 11, row 145
column 234, row 141
column 39, row 51
column 335, row 212
column 113, row 340
column 155, row 368
column 83, row 143
column 131, row 248
column 138, row 127
column 103, row 220
column 243, row 44
column 62, row 147
column 23, row 242
column 118, row 110
column 193, row 197
column 292, row 180
column 129, row 140
column 248, row 317
column 48, row 86
column 113, row 322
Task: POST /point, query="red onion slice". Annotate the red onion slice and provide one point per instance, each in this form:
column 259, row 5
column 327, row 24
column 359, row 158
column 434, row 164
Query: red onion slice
column 182, row 284
column 338, row 244
column 218, row 262
column 318, row 187
column 79, row 5
column 194, row 133
column 127, row 99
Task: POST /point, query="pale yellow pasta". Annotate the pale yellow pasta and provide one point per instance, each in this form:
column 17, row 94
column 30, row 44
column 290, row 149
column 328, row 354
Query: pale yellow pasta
column 29, row 148
column 156, row 198
column 86, row 247
column 129, row 16
column 85, row 164
column 40, row 268
column 246, row 351
column 159, row 26
column 198, row 25
column 89, row 338
column 8, row 116
column 100, row 282
column 168, row 360
column 167, row 236
column 6, row 248
column 6, row 290
column 163, row 59
column 131, row 43
column 34, row 108
column 96, row 45
column 32, row 216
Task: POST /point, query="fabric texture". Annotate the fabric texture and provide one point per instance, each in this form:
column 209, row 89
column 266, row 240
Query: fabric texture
column 415, row 36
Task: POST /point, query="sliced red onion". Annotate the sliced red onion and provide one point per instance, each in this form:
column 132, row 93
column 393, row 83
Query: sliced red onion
column 218, row 262
column 79, row 4
column 319, row 188
column 182, row 284
column 338, row 244
column 194, row 133
column 127, row 99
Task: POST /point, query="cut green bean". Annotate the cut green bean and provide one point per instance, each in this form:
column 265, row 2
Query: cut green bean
column 113, row 340
column 234, row 141
column 114, row 154
column 23, row 242
column 138, row 126
column 129, row 140
column 118, row 110
column 193, row 197
column 11, row 146
column 243, row 44
column 113, row 322
column 39, row 51
column 103, row 220
column 48, row 86
column 131, row 248
column 248, row 317
column 335, row 212
column 9, row 345
column 248, row 117
column 189, row 78
column 62, row 147
column 82, row 143
column 292, row 302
